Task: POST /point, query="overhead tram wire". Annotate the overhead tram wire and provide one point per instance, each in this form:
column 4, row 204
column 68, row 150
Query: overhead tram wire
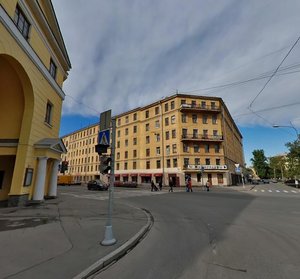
column 81, row 103
column 270, row 78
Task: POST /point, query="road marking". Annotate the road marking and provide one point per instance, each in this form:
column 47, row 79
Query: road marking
column 262, row 190
column 285, row 191
column 270, row 191
column 278, row 191
column 294, row 191
column 255, row 190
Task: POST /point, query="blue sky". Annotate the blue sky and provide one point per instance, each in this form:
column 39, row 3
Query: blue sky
column 130, row 53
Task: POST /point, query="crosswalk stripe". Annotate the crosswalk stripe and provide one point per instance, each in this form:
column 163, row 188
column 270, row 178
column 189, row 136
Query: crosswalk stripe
column 277, row 191
column 270, row 191
column 294, row 191
column 285, row 191
column 255, row 190
column 262, row 190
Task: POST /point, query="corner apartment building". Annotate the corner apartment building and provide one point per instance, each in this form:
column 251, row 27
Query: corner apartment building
column 33, row 66
column 178, row 136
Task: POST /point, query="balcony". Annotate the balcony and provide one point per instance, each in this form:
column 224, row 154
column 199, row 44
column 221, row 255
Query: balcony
column 199, row 108
column 199, row 137
column 204, row 167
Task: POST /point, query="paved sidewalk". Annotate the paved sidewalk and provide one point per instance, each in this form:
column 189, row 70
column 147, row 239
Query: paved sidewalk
column 61, row 238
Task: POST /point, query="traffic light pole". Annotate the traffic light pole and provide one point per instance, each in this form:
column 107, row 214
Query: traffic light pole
column 108, row 235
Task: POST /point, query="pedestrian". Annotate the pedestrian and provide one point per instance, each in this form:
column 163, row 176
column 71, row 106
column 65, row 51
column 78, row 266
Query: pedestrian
column 171, row 185
column 152, row 186
column 187, row 184
column 296, row 183
column 207, row 185
column 160, row 185
column 190, row 185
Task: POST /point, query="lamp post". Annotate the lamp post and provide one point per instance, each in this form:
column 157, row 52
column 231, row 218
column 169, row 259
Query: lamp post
column 287, row 126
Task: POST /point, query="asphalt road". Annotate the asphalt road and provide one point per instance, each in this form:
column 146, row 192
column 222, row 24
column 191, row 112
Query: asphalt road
column 220, row 234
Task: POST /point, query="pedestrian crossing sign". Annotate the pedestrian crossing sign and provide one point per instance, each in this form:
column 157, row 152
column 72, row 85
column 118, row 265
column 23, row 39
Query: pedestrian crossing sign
column 104, row 137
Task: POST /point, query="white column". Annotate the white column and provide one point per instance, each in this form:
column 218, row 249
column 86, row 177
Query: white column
column 53, row 179
column 39, row 189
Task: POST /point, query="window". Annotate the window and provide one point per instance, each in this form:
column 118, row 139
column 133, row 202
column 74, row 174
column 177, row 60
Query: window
column 148, row 152
column 220, row 178
column 126, row 142
column 147, row 139
column 52, row 69
column 119, row 121
column 21, row 22
column 134, row 129
column 167, row 121
column 126, row 155
column 217, row 148
column 168, row 150
column 196, row 148
column 147, row 114
column 185, row 162
column 134, row 165
column 167, row 135
column 215, row 133
column 207, row 161
column 49, row 111
column 134, row 141
column 125, row 166
column 213, row 105
column 118, row 144
column 156, row 110
column 126, row 132
column 134, row 117
column 183, row 118
column 172, row 105
column 119, row 133
column 158, row 150
column 197, row 161
column 206, row 148
column 173, row 119
column 204, row 119
column 166, row 107
column 158, row 164
column 118, row 155
column 183, row 102
column 174, row 134
column 218, row 161
column 147, row 127
column 184, row 133
column 195, row 133
column 157, row 125
column 185, row 148
column 134, row 153
column 168, row 163
column 203, row 104
column 157, row 137
column 148, row 165
column 127, row 119
column 194, row 118
column 214, row 119
column 174, row 148
column 193, row 104
column 175, row 165
column 205, row 134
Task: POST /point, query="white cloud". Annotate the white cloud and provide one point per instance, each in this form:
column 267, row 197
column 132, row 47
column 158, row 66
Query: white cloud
column 130, row 53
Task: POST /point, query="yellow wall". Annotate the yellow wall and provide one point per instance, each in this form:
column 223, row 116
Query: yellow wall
column 6, row 165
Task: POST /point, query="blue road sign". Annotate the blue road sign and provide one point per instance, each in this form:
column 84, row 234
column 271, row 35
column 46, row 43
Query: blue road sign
column 104, row 137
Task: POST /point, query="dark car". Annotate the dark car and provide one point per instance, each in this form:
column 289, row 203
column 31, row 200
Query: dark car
column 255, row 181
column 292, row 182
column 265, row 181
column 97, row 185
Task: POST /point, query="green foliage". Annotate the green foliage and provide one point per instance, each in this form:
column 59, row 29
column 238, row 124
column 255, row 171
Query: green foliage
column 293, row 159
column 260, row 163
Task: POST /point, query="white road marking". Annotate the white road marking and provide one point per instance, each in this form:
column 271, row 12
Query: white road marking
column 270, row 191
column 255, row 190
column 278, row 191
column 285, row 191
column 262, row 191
column 294, row 191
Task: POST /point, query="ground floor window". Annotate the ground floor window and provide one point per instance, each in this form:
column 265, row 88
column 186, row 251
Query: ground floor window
column 134, row 178
column 146, row 179
column 220, row 178
column 125, row 178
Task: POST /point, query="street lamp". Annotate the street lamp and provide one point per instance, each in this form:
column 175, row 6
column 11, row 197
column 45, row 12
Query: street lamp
column 287, row 126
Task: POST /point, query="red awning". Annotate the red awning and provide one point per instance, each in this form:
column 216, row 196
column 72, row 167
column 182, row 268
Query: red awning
column 157, row 174
column 133, row 174
column 124, row 174
column 145, row 174
column 117, row 175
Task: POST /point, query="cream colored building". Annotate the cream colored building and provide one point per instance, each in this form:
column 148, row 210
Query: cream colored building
column 178, row 136
column 33, row 66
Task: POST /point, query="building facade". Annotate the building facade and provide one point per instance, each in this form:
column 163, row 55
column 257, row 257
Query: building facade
column 33, row 66
column 177, row 137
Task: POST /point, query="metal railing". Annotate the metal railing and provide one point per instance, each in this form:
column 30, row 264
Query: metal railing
column 201, row 137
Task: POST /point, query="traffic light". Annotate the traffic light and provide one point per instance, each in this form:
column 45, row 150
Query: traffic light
column 105, row 164
column 64, row 166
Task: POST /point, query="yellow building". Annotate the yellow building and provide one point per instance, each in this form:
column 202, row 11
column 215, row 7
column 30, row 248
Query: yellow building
column 179, row 136
column 33, row 66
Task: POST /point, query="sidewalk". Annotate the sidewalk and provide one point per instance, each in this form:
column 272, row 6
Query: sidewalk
column 61, row 238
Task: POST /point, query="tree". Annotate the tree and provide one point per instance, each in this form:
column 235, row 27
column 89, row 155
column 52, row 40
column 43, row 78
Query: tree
column 277, row 165
column 293, row 158
column 260, row 163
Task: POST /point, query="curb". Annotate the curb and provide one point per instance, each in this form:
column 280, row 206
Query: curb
column 119, row 252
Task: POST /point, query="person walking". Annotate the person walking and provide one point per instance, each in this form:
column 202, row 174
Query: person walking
column 160, row 185
column 190, row 185
column 171, row 185
column 207, row 185
column 152, row 186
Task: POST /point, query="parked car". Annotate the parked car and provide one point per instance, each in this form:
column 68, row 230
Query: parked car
column 265, row 181
column 255, row 181
column 97, row 185
column 292, row 182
